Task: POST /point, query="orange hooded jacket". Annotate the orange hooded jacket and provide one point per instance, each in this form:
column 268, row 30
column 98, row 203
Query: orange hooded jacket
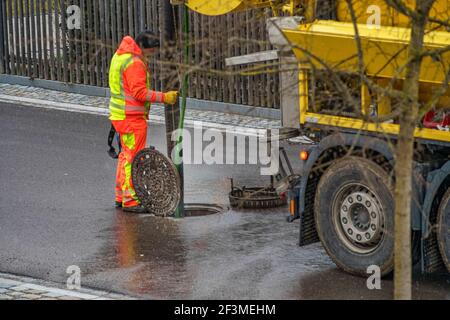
column 130, row 83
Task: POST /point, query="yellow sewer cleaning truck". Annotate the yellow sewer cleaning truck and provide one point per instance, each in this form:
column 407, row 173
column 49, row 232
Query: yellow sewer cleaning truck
column 336, row 205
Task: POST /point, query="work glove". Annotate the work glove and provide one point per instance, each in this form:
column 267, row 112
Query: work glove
column 170, row 97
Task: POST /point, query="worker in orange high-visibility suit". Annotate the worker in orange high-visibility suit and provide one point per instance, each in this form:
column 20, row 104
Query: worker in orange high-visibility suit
column 129, row 81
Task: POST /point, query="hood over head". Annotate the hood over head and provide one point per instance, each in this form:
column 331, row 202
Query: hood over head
column 128, row 45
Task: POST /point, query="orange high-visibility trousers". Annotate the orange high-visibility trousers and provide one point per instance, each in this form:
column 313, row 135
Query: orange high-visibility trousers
column 133, row 138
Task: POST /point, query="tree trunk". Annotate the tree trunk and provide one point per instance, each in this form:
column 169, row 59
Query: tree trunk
column 403, row 191
column 404, row 157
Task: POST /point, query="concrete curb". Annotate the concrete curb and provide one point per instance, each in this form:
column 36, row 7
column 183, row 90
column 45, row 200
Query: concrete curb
column 30, row 288
column 37, row 103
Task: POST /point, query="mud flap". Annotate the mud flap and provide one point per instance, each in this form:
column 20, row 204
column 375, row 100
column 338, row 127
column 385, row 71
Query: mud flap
column 308, row 232
column 443, row 230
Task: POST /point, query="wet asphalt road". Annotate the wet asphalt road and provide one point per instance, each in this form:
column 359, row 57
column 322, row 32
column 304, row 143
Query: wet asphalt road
column 56, row 210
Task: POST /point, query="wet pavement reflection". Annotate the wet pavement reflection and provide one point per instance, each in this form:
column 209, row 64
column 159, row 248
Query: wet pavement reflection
column 56, row 211
column 232, row 255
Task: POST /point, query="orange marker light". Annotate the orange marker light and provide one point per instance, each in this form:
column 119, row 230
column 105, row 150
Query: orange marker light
column 292, row 207
column 304, row 155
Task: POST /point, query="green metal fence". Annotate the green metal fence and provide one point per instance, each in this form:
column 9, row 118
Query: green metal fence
column 40, row 39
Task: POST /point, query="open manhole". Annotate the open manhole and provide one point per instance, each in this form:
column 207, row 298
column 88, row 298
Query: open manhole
column 157, row 184
column 202, row 209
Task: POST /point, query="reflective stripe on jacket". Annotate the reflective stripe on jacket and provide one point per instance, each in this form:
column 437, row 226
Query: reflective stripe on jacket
column 129, row 82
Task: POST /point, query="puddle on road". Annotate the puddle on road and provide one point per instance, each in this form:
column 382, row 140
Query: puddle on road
column 233, row 255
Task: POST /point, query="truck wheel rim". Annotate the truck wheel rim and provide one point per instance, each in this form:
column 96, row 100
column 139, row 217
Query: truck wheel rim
column 358, row 218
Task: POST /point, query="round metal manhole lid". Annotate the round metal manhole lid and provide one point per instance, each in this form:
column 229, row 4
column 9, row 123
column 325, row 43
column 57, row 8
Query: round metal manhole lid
column 156, row 181
column 255, row 198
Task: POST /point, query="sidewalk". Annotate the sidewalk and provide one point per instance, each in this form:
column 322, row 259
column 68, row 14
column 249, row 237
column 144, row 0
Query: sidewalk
column 44, row 98
column 24, row 288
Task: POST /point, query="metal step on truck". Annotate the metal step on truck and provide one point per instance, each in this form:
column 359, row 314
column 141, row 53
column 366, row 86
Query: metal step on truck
column 345, row 196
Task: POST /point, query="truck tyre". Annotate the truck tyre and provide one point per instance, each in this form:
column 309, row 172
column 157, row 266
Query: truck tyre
column 443, row 227
column 354, row 213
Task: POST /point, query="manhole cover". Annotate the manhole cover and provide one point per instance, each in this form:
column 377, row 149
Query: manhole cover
column 201, row 209
column 156, row 181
